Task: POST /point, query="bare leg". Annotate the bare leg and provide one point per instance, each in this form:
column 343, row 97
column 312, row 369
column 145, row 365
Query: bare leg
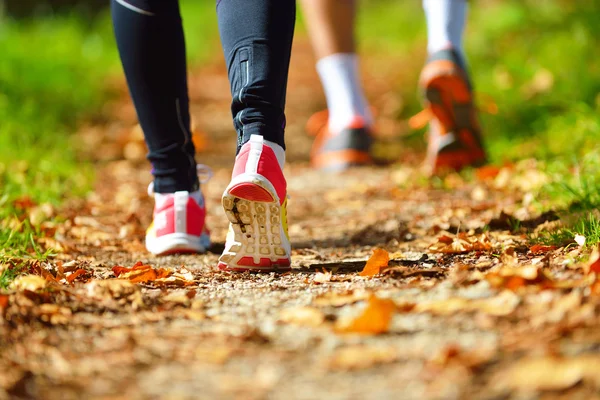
column 331, row 29
column 330, row 26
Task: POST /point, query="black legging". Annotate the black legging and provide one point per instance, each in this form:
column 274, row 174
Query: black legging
column 256, row 37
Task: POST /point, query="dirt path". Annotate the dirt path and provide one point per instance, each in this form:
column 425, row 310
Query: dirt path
column 481, row 315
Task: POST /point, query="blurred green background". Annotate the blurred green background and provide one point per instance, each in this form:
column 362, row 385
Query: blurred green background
column 537, row 59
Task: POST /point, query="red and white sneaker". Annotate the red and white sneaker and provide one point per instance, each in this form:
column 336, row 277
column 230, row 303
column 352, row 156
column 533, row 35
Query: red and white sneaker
column 255, row 203
column 178, row 225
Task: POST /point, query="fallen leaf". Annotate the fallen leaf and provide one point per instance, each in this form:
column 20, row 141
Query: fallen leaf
column 516, row 277
column 29, row 282
column 580, row 240
column 141, row 273
column 177, row 296
column 453, row 354
column 361, row 357
column 340, row 299
column 172, row 281
column 116, row 289
column 53, row 314
column 4, row 300
column 549, row 373
column 593, row 265
column 194, row 315
column 375, row 318
column 487, row 172
column 461, row 244
column 71, row 278
column 215, row 355
column 23, row 203
column 378, row 260
column 541, row 249
column 322, row 277
column 503, row 304
column 308, row 316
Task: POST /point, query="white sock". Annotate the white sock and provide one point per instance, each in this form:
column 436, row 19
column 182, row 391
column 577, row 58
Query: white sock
column 279, row 152
column 345, row 97
column 445, row 24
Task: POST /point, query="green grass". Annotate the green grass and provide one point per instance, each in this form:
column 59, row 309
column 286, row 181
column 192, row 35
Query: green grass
column 53, row 74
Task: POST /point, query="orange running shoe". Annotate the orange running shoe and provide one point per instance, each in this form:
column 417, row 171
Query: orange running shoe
column 338, row 151
column 454, row 131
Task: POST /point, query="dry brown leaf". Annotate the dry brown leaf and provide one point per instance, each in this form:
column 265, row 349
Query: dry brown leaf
column 593, row 265
column 29, row 282
column 339, row 299
column 308, row 316
column 453, row 354
column 322, row 277
column 361, row 357
column 177, row 279
column 375, row 319
column 462, row 243
column 4, row 300
column 53, row 314
column 194, row 315
column 487, row 172
column 549, row 373
column 71, row 278
column 24, row 203
column 115, row 289
column 514, row 278
column 503, row 304
column 141, row 273
column 378, row 260
column 541, row 249
column 215, row 355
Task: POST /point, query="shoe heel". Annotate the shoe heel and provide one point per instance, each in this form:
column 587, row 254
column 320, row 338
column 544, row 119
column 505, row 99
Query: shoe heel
column 251, row 192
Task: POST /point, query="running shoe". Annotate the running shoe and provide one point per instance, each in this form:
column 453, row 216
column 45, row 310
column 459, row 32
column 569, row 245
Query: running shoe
column 255, row 204
column 338, row 151
column 454, row 131
column 179, row 225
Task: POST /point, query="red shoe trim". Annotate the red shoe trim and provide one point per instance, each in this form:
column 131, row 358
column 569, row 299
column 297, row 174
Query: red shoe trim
column 251, row 191
column 268, row 166
column 264, row 262
column 196, row 216
column 268, row 266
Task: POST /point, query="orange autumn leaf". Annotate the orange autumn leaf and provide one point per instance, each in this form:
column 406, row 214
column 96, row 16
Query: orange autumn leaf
column 3, row 300
column 140, row 276
column 487, row 172
column 595, row 288
column 445, row 239
column 23, row 203
column 119, row 270
column 461, row 244
column 140, row 273
column 514, row 283
column 71, row 278
column 375, row 319
column 378, row 260
column 540, row 249
column 593, row 266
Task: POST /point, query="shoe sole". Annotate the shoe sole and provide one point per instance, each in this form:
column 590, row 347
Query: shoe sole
column 178, row 243
column 448, row 96
column 254, row 211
